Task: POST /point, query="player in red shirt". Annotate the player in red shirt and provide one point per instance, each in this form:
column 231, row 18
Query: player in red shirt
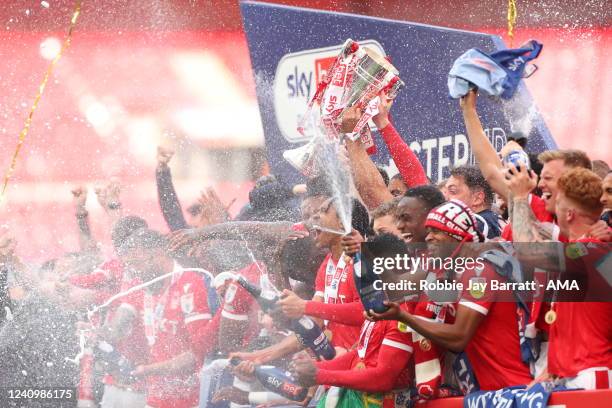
column 107, row 279
column 336, row 299
column 239, row 315
column 428, row 357
column 175, row 316
column 96, row 287
column 484, row 329
column 555, row 163
column 580, row 334
column 378, row 365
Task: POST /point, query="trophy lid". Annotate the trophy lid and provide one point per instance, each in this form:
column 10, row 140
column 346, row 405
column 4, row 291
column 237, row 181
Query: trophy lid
column 380, row 60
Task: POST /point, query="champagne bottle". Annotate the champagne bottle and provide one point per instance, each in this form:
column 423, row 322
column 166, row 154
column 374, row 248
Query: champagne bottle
column 278, row 381
column 266, row 300
column 371, row 298
column 306, row 330
column 114, row 362
column 310, row 335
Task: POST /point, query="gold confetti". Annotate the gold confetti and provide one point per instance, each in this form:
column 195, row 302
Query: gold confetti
column 41, row 88
column 511, row 20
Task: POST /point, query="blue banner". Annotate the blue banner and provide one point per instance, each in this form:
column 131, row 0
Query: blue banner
column 512, row 397
column 292, row 47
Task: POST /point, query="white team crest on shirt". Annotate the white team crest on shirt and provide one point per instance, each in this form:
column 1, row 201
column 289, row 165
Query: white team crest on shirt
column 187, row 303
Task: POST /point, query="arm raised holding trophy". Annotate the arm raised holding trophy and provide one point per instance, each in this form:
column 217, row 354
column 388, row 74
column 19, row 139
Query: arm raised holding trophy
column 338, row 114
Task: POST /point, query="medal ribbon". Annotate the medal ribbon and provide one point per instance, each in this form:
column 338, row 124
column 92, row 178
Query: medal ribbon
column 364, row 338
column 331, row 290
column 441, row 315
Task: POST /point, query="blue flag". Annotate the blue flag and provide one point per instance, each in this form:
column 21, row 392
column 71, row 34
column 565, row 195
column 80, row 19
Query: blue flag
column 512, row 397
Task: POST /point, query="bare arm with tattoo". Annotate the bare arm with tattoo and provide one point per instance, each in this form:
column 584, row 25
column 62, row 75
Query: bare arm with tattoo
column 525, row 226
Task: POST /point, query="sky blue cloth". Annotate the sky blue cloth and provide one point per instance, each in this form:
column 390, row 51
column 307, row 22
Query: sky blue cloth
column 497, row 74
column 475, row 67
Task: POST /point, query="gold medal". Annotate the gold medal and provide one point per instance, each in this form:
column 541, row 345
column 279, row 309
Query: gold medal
column 425, row 344
column 550, row 317
column 360, row 366
column 328, row 334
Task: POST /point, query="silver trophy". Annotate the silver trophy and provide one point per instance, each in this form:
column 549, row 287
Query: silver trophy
column 356, row 78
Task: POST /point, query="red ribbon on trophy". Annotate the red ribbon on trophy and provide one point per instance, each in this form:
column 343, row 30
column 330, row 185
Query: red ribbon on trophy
column 355, row 78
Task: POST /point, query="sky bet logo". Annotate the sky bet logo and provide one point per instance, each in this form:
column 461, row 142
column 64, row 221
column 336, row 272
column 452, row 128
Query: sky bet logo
column 299, row 84
column 295, row 82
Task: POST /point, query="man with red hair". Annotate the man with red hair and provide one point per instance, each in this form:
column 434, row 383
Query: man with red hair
column 580, row 336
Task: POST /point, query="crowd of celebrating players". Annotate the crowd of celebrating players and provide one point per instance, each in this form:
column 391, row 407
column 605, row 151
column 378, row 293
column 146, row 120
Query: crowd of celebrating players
column 164, row 339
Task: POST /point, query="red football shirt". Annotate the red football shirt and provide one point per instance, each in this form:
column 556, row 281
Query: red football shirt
column 182, row 316
column 494, row 350
column 538, row 206
column 581, row 336
column 428, row 357
column 133, row 347
column 383, row 352
column 241, row 305
column 342, row 335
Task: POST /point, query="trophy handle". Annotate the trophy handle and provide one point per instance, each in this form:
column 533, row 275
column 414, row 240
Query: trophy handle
column 303, row 159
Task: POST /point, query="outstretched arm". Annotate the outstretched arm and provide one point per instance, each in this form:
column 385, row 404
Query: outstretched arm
column 404, row 158
column 287, row 346
column 392, row 359
column 250, row 230
column 184, row 363
column 391, row 362
column 368, row 181
column 235, row 230
column 86, row 242
column 486, row 156
column 452, row 337
column 346, row 313
column 168, row 200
